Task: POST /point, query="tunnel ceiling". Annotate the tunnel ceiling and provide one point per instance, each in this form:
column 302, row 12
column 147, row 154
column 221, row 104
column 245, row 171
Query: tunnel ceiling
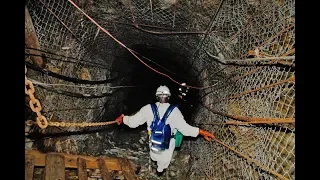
column 88, row 62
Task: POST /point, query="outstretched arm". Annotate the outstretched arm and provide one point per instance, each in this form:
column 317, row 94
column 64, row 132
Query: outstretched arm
column 188, row 130
column 137, row 119
column 181, row 125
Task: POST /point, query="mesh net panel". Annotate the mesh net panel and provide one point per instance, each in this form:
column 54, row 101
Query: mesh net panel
column 235, row 29
column 254, row 91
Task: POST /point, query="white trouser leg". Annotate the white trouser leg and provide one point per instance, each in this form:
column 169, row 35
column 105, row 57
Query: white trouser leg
column 163, row 158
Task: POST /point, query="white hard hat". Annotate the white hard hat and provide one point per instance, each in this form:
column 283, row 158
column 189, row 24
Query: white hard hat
column 163, row 90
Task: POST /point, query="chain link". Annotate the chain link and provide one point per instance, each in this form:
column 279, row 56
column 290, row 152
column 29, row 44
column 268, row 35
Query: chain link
column 34, row 103
column 41, row 121
column 83, row 124
column 68, row 124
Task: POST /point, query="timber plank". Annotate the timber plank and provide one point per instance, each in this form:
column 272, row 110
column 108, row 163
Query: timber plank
column 71, row 160
column 127, row 169
column 54, row 169
column 29, row 167
column 82, row 169
column 105, row 175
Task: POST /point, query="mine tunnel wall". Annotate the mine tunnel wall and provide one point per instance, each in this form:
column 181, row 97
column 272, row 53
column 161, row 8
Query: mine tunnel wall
column 242, row 90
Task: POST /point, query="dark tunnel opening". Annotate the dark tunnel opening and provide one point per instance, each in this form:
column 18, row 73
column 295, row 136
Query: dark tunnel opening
column 147, row 81
column 165, row 61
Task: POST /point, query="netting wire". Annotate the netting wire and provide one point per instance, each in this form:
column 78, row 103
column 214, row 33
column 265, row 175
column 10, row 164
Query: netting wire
column 242, row 29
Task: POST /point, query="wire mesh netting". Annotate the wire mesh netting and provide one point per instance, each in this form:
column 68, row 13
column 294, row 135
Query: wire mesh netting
column 260, row 92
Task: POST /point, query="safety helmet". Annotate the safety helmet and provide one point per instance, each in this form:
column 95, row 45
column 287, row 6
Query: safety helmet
column 163, row 90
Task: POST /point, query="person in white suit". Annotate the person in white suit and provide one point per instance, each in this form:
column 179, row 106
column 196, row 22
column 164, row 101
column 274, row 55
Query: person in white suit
column 175, row 120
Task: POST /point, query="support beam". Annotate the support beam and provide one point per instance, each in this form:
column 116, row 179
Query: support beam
column 82, row 169
column 291, row 79
column 105, row 175
column 255, row 120
column 29, row 167
column 127, row 169
column 55, row 169
column 71, row 160
column 31, row 41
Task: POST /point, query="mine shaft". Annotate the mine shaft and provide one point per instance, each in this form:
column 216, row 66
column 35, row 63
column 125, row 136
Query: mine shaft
column 93, row 68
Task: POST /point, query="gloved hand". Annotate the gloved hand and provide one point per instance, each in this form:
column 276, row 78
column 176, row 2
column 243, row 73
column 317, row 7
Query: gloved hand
column 120, row 119
column 207, row 135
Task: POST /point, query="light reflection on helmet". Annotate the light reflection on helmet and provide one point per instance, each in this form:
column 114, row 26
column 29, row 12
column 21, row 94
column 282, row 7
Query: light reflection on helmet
column 163, row 90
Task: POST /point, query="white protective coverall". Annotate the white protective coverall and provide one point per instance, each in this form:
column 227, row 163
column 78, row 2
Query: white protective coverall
column 176, row 122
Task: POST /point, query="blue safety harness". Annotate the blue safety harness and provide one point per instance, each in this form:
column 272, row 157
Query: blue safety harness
column 160, row 131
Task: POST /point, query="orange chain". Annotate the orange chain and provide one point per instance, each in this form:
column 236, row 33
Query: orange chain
column 68, row 124
column 29, row 90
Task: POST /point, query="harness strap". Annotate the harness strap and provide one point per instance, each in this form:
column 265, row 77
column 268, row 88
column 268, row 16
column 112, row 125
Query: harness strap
column 155, row 112
column 157, row 121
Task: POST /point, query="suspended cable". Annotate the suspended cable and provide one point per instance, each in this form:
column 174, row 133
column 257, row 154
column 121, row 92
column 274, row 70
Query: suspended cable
column 79, row 86
column 69, row 61
column 73, row 94
column 70, row 79
column 159, row 65
column 130, row 50
column 166, row 32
